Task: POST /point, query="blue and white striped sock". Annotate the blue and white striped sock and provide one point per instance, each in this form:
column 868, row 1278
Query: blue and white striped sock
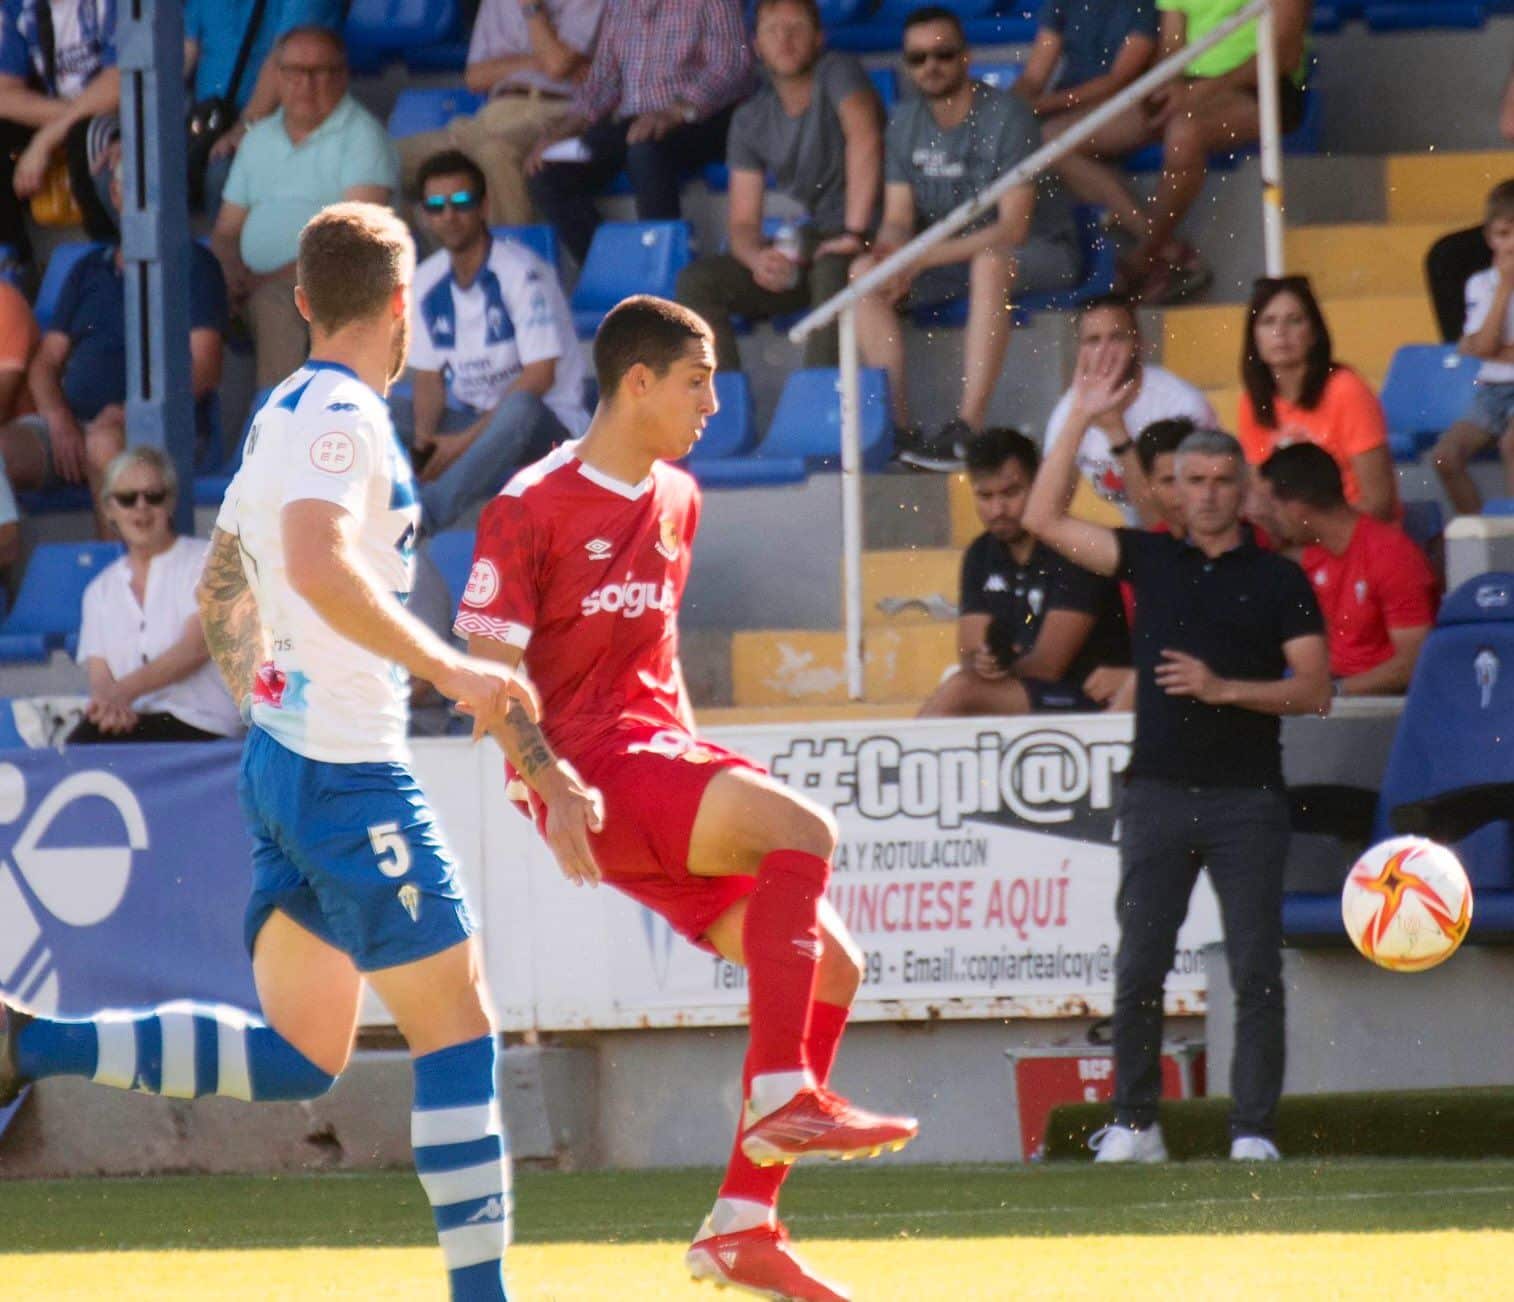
column 181, row 1051
column 461, row 1158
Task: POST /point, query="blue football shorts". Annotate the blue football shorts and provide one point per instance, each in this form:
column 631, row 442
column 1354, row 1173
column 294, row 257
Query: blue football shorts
column 352, row 853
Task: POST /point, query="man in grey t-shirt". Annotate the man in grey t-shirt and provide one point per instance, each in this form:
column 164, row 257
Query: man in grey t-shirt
column 941, row 148
column 815, row 127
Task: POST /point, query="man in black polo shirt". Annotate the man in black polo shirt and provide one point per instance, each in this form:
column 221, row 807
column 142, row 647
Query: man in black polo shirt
column 1219, row 623
column 1032, row 626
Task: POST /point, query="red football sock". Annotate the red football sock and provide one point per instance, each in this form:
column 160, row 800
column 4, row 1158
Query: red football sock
column 781, row 936
column 823, row 1037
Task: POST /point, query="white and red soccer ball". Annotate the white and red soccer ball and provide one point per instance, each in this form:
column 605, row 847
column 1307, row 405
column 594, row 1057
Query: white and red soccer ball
column 1407, row 904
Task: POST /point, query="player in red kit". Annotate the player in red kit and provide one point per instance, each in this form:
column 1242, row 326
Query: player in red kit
column 580, row 566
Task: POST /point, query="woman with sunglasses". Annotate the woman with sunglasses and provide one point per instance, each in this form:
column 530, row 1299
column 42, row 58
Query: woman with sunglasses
column 1295, row 391
column 150, row 676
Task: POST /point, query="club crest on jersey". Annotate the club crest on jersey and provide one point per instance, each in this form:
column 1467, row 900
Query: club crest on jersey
column 667, row 542
column 483, row 584
column 410, row 900
column 599, row 549
column 334, row 452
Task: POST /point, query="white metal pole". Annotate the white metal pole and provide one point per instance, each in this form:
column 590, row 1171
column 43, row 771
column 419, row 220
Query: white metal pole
column 851, row 501
column 1271, row 142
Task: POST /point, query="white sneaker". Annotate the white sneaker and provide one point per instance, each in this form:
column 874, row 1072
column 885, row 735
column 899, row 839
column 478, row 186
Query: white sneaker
column 1127, row 1144
column 1253, row 1148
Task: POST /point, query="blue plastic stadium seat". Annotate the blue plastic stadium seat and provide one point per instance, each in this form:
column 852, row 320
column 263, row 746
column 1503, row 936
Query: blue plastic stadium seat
column 807, row 423
column 1414, row 15
column 452, row 554
column 419, row 109
column 732, row 430
column 52, row 589
column 1428, row 389
column 10, row 735
column 838, row 13
column 377, row 29
column 541, row 239
column 629, row 258
column 449, row 56
column 1453, row 735
column 60, row 262
column 985, row 23
column 750, row 472
column 886, row 83
column 1503, row 506
column 1001, row 76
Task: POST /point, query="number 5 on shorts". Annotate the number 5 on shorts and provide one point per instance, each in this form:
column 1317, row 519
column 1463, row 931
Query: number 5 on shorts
column 390, row 848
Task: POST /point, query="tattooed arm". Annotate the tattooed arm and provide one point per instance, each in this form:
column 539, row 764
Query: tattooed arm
column 229, row 615
column 573, row 809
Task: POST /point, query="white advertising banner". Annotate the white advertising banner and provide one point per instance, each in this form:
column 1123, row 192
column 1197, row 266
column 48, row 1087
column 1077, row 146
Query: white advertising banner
column 977, row 871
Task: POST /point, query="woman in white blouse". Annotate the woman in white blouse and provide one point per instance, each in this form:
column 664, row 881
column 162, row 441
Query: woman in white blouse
column 150, row 676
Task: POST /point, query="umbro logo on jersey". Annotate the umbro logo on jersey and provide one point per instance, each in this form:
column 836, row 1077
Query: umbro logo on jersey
column 996, row 583
column 493, row 1210
column 809, row 948
column 728, row 1258
column 599, row 549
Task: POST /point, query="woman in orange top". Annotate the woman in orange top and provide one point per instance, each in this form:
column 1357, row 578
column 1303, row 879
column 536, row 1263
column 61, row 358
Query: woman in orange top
column 1296, row 390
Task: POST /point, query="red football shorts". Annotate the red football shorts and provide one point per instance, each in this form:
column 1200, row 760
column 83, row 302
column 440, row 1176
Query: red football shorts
column 652, row 781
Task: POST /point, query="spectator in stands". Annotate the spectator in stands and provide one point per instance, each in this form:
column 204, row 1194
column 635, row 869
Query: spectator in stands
column 1086, row 51
column 18, row 343
column 528, row 57
column 140, row 641
column 59, row 89
column 214, row 31
column 1374, row 586
column 1456, row 258
column 657, row 101
column 815, row 127
column 318, row 148
column 1107, row 447
column 77, row 377
column 1295, row 389
column 1212, row 109
column 1227, row 638
column 1032, row 627
column 497, row 368
column 942, row 146
column 1488, row 334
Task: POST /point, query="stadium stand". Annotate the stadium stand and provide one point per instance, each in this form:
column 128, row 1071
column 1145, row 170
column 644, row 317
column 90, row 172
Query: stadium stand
column 429, row 108
column 541, row 239
column 452, row 554
column 731, row 431
column 1428, row 388
column 45, row 617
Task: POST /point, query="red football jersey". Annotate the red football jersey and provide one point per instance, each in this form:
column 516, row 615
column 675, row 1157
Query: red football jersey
column 586, row 573
column 1380, row 582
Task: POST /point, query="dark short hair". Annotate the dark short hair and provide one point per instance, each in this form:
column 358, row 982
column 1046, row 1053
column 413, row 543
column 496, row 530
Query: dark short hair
column 1305, row 473
column 989, row 451
column 1106, row 303
column 810, row 7
column 450, row 162
column 1160, row 438
column 933, row 14
column 1256, row 375
column 1500, row 203
column 647, row 330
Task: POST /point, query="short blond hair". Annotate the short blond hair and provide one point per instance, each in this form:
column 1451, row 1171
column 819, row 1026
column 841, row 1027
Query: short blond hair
column 352, row 258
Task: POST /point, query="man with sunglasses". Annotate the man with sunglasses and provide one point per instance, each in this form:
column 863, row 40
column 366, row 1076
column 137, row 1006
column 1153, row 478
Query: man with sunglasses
column 942, row 147
column 498, row 372
column 77, row 376
column 320, row 147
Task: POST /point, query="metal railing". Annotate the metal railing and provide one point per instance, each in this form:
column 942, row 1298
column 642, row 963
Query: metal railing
column 843, row 305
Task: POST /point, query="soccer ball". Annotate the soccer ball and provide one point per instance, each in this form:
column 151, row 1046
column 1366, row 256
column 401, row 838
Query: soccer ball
column 1407, row 904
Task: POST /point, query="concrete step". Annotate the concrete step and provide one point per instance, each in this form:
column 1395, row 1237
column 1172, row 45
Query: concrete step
column 793, row 667
column 1361, row 259
column 1203, row 344
column 1442, row 187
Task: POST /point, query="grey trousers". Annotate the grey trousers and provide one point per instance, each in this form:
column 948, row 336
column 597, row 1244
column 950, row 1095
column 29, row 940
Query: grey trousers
column 1240, row 836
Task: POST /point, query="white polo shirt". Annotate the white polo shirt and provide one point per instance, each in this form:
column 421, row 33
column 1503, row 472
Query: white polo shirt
column 1163, row 396
column 127, row 634
column 1479, row 293
column 482, row 337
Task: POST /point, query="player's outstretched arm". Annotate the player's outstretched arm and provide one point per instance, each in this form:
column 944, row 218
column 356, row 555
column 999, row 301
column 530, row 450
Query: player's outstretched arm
column 323, row 565
column 229, row 616
column 573, row 809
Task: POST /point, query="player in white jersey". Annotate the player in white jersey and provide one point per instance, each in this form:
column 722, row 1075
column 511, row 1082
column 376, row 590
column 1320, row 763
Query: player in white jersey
column 301, row 605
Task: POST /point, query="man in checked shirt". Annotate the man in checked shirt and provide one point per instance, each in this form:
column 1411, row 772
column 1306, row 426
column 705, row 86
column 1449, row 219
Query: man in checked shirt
column 656, row 101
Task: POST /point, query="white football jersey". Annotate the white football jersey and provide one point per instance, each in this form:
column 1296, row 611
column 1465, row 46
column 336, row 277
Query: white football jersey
column 324, row 434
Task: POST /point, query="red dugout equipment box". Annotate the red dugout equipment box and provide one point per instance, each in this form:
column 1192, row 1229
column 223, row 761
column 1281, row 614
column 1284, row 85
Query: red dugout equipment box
column 1042, row 1078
